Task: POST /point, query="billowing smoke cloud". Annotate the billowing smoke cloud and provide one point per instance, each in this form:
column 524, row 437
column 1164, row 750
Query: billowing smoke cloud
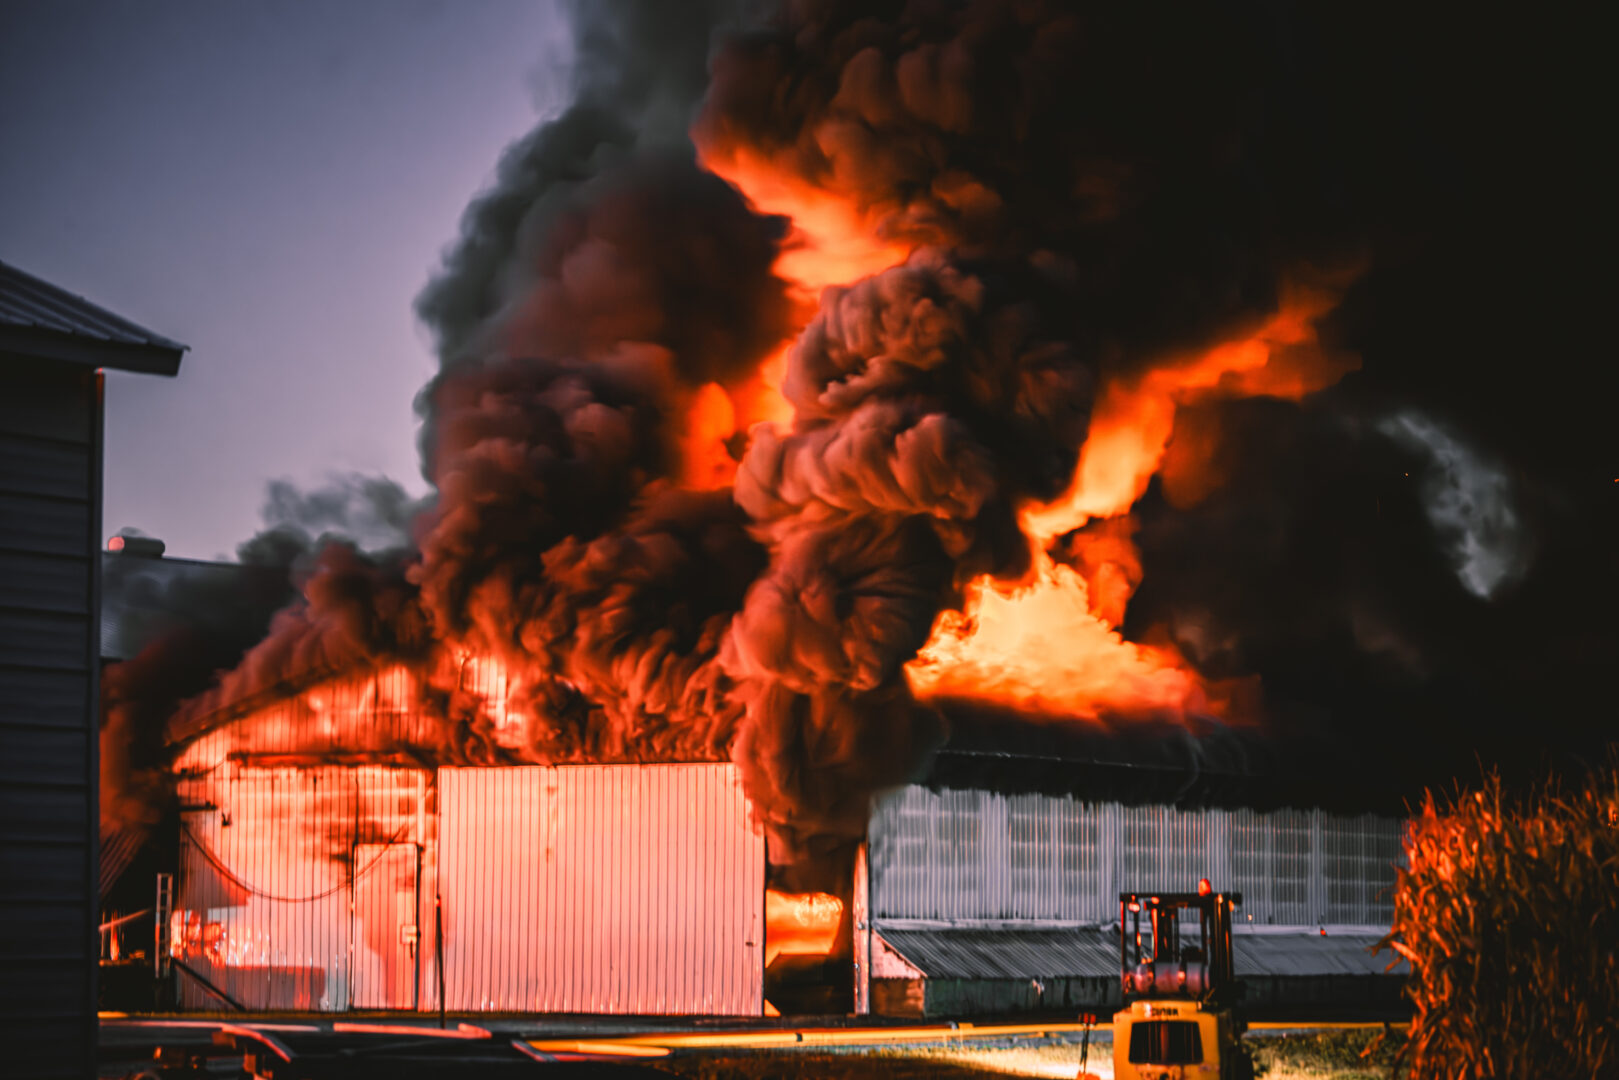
column 372, row 512
column 607, row 288
column 599, row 292
column 1156, row 163
column 183, row 624
column 1055, row 246
column 1018, row 207
column 929, row 400
column 639, row 71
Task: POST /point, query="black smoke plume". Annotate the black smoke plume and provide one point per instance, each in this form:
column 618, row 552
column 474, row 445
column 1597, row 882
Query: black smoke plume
column 1085, row 189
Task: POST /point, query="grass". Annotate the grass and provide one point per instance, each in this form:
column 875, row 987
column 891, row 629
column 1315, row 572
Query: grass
column 1339, row 1055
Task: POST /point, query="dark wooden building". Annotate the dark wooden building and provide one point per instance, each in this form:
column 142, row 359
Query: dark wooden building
column 54, row 347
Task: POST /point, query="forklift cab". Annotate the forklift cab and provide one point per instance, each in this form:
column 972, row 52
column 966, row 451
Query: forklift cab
column 1179, row 988
column 1164, row 958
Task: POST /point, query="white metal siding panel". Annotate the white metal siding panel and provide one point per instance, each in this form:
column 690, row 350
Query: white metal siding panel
column 264, row 908
column 1271, row 856
column 1357, row 859
column 384, row 972
column 601, row 888
column 1163, row 848
column 968, row 856
column 965, row 855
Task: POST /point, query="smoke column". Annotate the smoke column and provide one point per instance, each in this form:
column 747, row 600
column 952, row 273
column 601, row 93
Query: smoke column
column 819, row 367
column 703, row 507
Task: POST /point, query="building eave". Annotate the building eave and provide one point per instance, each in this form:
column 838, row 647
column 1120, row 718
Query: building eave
column 32, row 343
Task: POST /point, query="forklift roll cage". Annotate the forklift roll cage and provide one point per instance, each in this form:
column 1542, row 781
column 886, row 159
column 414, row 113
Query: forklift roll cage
column 1213, row 948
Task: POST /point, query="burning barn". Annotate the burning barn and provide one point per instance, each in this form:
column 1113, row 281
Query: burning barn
column 346, row 846
column 807, row 389
column 327, row 863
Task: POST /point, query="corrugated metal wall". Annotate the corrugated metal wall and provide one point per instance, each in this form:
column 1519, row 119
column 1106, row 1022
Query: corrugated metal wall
column 50, row 514
column 976, row 855
column 602, row 888
column 611, row 888
column 271, row 863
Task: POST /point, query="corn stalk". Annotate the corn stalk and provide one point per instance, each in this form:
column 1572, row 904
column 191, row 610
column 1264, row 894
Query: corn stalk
column 1508, row 913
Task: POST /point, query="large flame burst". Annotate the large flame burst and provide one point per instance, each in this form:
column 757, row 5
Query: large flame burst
column 1049, row 643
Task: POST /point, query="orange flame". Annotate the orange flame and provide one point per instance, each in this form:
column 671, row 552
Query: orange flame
column 716, row 414
column 800, row 924
column 1039, row 647
column 1050, row 642
column 1134, row 418
column 193, row 937
column 1046, row 643
column 710, row 421
column 833, row 242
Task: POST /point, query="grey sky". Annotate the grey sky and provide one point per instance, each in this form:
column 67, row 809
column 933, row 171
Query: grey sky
column 271, row 184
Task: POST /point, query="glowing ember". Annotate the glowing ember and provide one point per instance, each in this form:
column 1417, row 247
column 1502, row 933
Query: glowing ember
column 800, row 924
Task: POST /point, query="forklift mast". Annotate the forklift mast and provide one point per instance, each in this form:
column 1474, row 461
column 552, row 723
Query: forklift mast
column 1174, row 962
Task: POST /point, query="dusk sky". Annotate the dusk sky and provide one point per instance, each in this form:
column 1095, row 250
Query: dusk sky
column 270, row 184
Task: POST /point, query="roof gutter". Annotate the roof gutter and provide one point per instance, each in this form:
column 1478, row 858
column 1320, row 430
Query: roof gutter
column 35, row 343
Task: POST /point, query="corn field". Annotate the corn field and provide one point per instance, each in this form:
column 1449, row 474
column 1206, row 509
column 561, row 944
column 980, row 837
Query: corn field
column 1508, row 913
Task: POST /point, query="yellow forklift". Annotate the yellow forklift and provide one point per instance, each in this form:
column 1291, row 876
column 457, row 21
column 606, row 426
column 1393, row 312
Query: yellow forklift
column 1179, row 1020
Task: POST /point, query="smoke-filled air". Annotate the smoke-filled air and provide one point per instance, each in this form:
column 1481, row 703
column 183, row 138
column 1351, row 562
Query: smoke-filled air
column 803, row 378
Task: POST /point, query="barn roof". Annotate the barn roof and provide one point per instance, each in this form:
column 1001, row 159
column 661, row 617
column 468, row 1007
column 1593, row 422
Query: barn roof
column 959, row 952
column 38, row 319
column 1011, row 952
column 1259, row 766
